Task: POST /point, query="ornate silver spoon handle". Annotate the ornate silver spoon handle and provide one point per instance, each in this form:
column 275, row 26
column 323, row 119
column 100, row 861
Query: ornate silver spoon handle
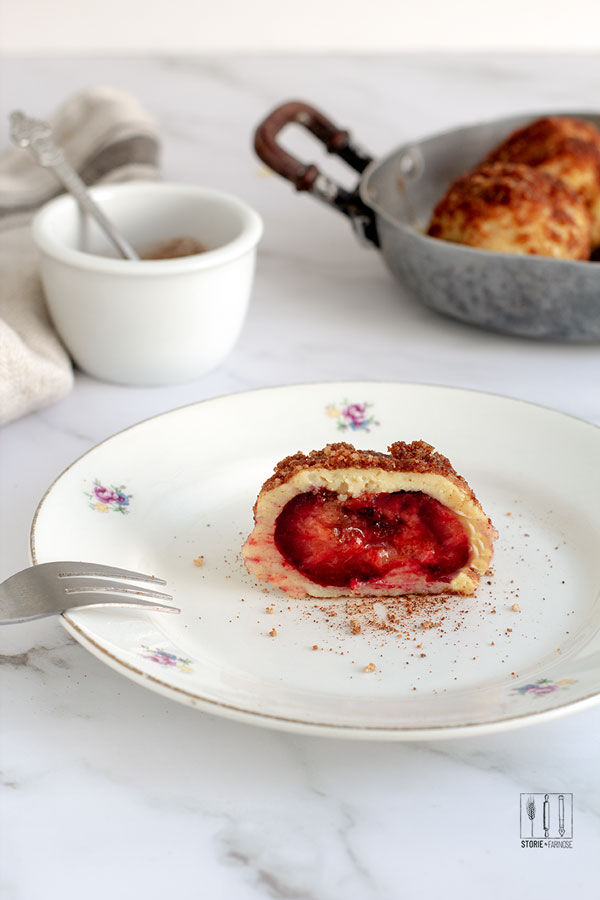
column 36, row 136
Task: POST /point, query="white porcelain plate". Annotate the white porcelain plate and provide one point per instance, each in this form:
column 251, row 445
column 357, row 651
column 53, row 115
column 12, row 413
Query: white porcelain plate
column 181, row 486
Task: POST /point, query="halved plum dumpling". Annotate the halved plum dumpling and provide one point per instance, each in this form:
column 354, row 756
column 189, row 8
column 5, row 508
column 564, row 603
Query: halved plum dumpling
column 342, row 522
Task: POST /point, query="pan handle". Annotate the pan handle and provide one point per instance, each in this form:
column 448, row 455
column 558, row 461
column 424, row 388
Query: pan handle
column 308, row 177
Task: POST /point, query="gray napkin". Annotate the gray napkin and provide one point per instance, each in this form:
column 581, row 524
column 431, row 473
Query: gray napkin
column 108, row 137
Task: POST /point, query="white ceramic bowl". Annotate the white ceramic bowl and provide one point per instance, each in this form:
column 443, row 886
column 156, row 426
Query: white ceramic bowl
column 154, row 321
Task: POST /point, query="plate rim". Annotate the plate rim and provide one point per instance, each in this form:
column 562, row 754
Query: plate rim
column 290, row 723
column 303, row 726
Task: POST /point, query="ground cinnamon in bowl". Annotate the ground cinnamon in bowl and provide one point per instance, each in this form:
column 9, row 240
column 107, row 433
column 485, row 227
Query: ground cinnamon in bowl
column 173, row 248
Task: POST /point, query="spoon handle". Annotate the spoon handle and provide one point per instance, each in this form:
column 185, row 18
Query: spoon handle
column 70, row 180
column 36, row 136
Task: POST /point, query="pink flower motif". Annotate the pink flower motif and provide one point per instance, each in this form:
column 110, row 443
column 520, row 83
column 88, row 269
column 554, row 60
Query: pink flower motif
column 105, row 495
column 543, row 686
column 103, row 498
column 351, row 416
column 166, row 658
column 356, row 413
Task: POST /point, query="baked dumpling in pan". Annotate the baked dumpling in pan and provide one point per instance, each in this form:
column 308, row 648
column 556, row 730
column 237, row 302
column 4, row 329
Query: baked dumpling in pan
column 566, row 147
column 513, row 208
column 341, row 522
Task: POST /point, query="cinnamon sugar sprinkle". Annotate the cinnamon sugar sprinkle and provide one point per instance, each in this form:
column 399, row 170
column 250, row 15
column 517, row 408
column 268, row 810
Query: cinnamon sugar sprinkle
column 414, row 624
column 420, row 630
column 391, row 615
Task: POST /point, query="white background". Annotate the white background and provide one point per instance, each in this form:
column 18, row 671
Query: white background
column 180, row 26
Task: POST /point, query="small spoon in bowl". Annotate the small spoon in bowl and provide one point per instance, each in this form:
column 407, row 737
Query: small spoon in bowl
column 36, row 136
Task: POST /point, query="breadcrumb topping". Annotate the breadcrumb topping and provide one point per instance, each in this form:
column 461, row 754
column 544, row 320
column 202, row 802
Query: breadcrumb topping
column 417, row 456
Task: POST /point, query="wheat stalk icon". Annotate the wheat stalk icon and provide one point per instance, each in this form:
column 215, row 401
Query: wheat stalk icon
column 531, row 812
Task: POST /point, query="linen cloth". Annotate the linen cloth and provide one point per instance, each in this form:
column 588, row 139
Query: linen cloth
column 108, row 137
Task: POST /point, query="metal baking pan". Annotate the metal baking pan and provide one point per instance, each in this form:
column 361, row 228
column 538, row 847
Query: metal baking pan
column 390, row 208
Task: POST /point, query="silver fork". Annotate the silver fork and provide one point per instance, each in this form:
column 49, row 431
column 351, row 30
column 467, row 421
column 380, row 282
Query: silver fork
column 52, row 588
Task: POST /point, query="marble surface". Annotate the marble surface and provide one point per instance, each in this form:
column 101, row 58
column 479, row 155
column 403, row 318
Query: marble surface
column 110, row 790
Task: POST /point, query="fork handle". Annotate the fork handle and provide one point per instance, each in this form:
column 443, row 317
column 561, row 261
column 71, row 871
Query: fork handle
column 28, row 612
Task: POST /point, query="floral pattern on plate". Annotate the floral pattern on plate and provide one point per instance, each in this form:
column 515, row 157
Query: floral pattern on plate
column 543, row 686
column 103, row 499
column 166, row 658
column 351, row 416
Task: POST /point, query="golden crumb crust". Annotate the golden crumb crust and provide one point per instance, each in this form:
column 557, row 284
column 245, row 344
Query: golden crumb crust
column 514, row 208
column 417, row 456
column 566, row 147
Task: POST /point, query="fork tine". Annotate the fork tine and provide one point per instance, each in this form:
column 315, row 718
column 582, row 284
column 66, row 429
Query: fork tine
column 25, row 614
column 94, row 570
column 116, row 600
column 78, row 585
